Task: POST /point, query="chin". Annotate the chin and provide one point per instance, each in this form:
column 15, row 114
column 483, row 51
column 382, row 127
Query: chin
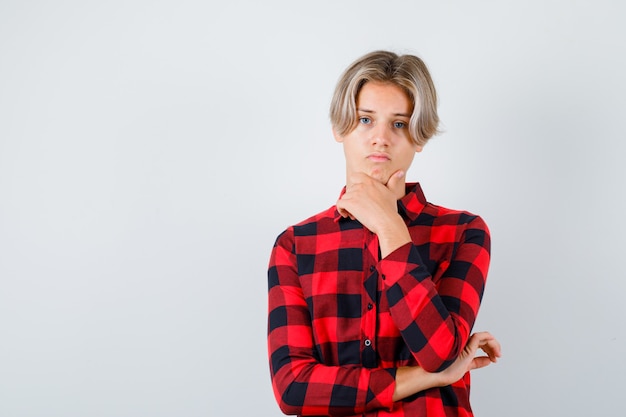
column 383, row 177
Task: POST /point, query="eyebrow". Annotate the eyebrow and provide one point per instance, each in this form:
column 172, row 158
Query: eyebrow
column 372, row 111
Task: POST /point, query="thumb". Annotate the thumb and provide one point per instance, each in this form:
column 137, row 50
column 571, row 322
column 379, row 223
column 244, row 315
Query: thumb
column 397, row 184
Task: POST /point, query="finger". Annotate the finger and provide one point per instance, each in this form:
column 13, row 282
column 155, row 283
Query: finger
column 345, row 213
column 486, row 342
column 396, row 184
column 477, row 340
column 492, row 348
column 480, row 362
column 480, row 339
column 342, row 211
column 483, row 335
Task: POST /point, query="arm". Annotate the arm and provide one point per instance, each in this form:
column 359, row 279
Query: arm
column 301, row 384
column 435, row 319
column 304, row 385
column 412, row 379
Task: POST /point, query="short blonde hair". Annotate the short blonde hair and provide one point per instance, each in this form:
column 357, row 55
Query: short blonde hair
column 406, row 71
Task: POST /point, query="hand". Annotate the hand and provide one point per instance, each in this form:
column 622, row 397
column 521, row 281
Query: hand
column 368, row 200
column 467, row 359
column 375, row 205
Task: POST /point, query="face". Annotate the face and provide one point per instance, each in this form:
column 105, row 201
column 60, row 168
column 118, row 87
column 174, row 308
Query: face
column 380, row 144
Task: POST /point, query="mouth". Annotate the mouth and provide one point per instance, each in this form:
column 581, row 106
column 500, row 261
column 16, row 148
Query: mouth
column 378, row 157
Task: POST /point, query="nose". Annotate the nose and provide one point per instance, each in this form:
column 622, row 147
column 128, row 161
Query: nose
column 381, row 135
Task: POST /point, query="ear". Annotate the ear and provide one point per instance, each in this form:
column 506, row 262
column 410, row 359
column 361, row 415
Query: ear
column 338, row 137
column 418, row 148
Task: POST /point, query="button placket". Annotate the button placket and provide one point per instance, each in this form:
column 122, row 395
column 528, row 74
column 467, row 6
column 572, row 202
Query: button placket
column 369, row 320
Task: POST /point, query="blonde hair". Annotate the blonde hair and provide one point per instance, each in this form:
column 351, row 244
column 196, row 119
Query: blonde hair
column 406, row 71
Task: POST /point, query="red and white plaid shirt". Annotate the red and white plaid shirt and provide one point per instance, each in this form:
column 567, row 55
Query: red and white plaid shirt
column 342, row 320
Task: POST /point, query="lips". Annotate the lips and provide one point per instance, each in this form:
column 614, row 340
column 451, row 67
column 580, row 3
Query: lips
column 378, row 157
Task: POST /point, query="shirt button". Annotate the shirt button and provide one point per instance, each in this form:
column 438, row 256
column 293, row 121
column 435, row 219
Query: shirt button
column 384, row 277
column 370, row 306
column 368, row 342
column 372, row 268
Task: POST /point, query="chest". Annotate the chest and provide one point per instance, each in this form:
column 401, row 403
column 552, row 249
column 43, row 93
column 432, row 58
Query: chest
column 345, row 296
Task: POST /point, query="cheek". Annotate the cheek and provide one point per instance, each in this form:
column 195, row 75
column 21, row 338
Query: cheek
column 407, row 164
column 407, row 160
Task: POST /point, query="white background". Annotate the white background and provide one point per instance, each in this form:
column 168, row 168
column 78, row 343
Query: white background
column 151, row 152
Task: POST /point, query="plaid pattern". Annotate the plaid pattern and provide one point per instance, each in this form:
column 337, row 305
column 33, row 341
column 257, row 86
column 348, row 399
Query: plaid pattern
column 341, row 320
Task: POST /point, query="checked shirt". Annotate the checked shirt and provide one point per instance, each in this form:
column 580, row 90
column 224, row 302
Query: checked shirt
column 341, row 320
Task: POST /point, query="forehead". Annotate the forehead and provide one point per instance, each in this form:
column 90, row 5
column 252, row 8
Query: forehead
column 380, row 96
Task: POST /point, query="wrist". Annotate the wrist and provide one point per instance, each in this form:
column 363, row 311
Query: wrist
column 395, row 235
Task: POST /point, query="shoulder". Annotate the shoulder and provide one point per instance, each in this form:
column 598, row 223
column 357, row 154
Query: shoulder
column 451, row 225
column 445, row 215
column 421, row 212
column 461, row 227
column 311, row 226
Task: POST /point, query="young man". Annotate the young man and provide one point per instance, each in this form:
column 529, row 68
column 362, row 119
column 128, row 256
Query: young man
column 371, row 302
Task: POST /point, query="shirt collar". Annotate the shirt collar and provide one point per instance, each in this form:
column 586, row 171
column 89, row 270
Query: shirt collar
column 409, row 206
column 413, row 202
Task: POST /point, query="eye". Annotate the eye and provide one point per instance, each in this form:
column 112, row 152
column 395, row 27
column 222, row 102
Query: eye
column 399, row 125
column 365, row 120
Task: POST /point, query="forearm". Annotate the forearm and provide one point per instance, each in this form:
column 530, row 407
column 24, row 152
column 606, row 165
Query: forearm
column 413, row 379
column 358, row 385
column 410, row 380
column 393, row 235
column 435, row 314
column 316, row 389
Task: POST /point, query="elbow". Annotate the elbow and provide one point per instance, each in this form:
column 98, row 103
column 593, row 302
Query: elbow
column 289, row 393
column 291, row 398
column 289, row 381
column 288, row 409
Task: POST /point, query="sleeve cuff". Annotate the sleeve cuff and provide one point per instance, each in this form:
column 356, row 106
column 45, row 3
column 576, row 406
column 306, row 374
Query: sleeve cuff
column 382, row 384
column 399, row 263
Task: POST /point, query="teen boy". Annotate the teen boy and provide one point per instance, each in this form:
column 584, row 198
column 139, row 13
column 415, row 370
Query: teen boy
column 372, row 302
